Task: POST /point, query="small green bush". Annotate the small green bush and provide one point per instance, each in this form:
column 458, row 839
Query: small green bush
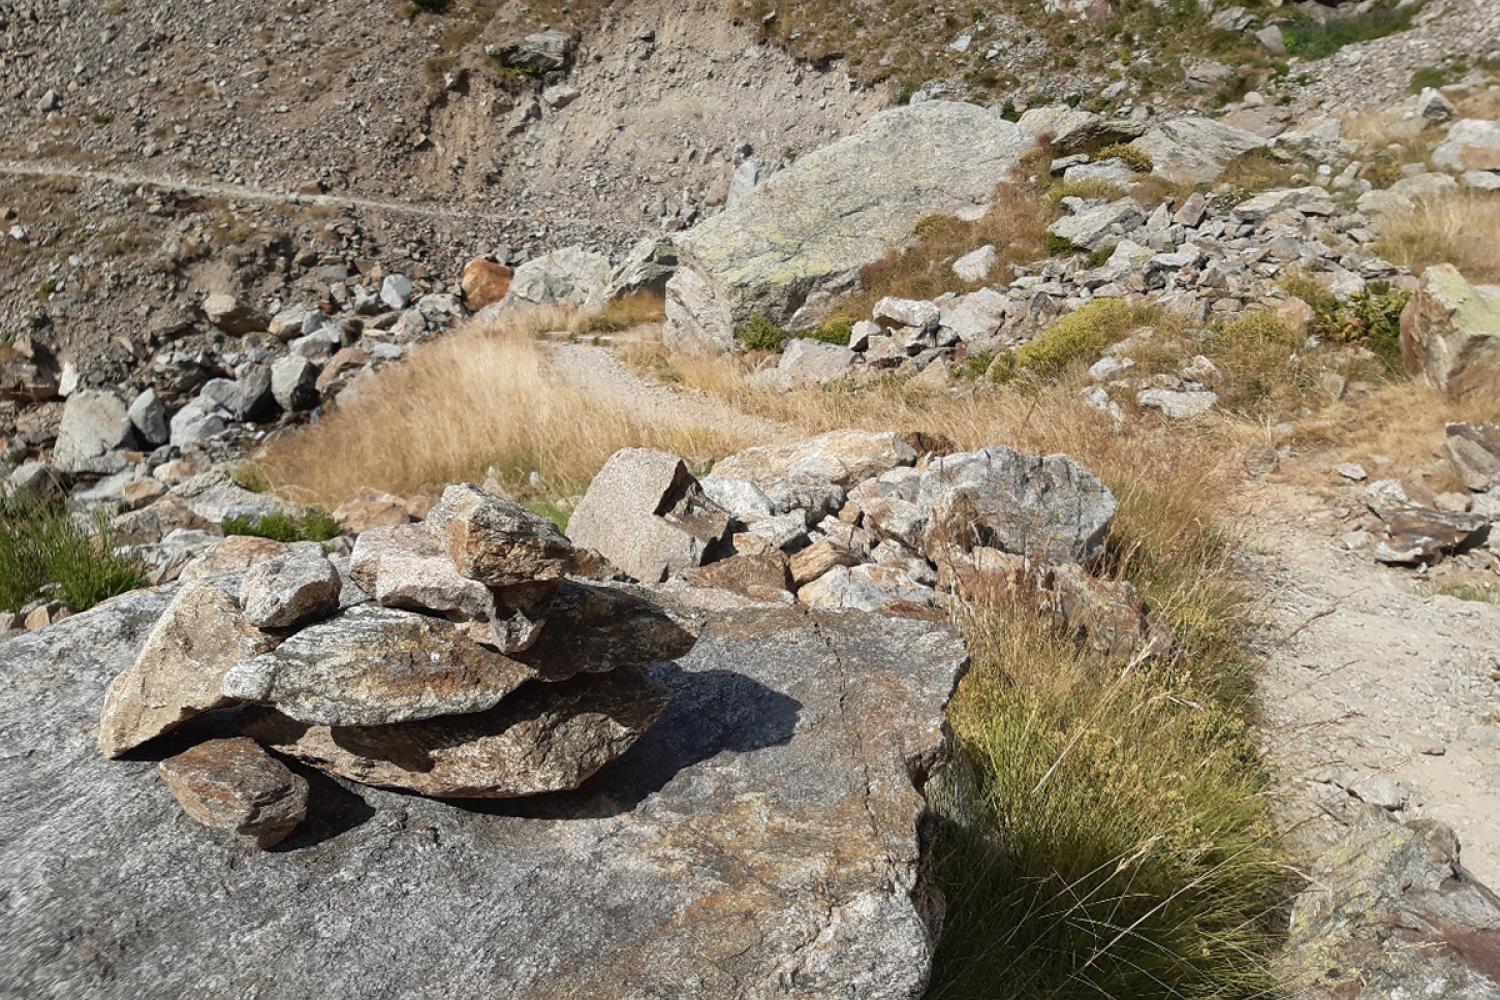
column 1058, row 246
column 312, row 526
column 42, row 548
column 1101, row 256
column 1091, row 188
column 1080, row 336
column 760, row 334
column 974, row 366
column 1311, row 39
column 836, row 330
column 1134, row 157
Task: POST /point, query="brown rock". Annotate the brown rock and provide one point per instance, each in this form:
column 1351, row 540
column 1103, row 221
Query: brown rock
column 484, row 283
column 140, row 493
column 544, row 738
column 233, row 555
column 179, row 670
column 496, row 541
column 343, row 361
column 818, row 558
column 981, row 573
column 364, row 510
column 234, row 785
column 761, row 577
column 1108, row 615
column 1417, row 535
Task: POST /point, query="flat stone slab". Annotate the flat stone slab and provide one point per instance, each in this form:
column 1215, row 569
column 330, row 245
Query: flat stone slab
column 761, row 841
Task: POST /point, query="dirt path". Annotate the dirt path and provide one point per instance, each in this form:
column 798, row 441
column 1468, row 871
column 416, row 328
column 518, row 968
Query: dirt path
column 1367, row 678
column 601, row 373
column 242, row 192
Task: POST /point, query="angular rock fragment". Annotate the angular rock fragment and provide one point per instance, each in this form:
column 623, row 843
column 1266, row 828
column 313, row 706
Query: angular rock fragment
column 1450, row 334
column 761, row 577
column 607, row 628
column 94, row 423
column 234, row 785
column 1416, row 535
column 180, row 669
column 375, row 666
column 234, row 554
column 647, row 515
column 545, row 738
column 839, row 458
column 1048, row 508
column 1474, row 450
column 291, row 589
column 497, row 541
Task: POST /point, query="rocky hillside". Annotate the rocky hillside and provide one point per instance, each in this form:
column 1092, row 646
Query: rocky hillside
column 750, row 499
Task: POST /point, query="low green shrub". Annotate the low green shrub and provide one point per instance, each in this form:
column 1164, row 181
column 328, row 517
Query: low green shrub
column 836, row 330
column 1134, row 157
column 1312, row 39
column 1371, row 317
column 43, row 550
column 760, row 334
column 1080, row 336
column 974, row 366
column 311, row 526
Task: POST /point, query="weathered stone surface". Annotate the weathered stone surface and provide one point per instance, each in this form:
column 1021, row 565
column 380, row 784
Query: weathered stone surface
column 541, row 52
column 497, row 541
column 832, row 212
column 430, row 582
column 398, row 539
column 867, row 588
column 1108, row 615
column 234, row 554
column 840, row 458
column 604, row 628
column 1472, row 144
column 1391, row 912
column 232, row 784
column 545, row 738
column 1096, row 227
column 1074, row 130
column 761, row 841
column 1176, row 404
column 648, row 267
column 1450, row 334
column 375, row 666
column 1417, row 535
column 180, row 668
column 760, row 577
column 365, row 510
column 1049, row 508
column 811, row 362
column 1474, row 450
column 647, row 515
column 94, row 423
column 571, row 276
column 298, row 586
column 1195, row 150
column 818, row 559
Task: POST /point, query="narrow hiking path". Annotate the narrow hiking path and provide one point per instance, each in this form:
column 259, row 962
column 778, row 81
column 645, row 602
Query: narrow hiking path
column 245, row 192
column 1370, row 686
column 599, row 371
column 1368, row 683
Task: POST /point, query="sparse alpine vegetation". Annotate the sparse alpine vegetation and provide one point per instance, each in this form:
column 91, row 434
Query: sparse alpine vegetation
column 44, row 551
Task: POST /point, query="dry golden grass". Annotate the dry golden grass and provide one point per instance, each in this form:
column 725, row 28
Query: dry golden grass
column 1015, row 224
column 1462, row 229
column 1400, row 421
column 482, row 398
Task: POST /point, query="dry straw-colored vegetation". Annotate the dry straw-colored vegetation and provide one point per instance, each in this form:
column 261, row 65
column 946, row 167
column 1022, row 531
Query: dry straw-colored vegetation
column 1462, row 229
column 480, row 400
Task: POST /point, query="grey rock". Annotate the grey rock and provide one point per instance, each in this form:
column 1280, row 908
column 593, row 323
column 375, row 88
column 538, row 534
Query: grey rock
column 373, row 666
column 1095, row 227
column 1450, row 334
column 866, row 588
column 291, row 589
column 541, row 52
column 560, row 96
column 1418, row 536
column 149, row 418
column 94, row 423
column 648, row 266
column 1074, row 130
column 1049, row 508
column 1195, row 150
column 294, row 383
column 915, row 313
column 1474, row 451
column 571, row 276
column 812, row 362
column 741, row 498
column 395, row 291
column 232, row 316
column 838, row 458
column 832, row 212
column 647, row 515
column 976, row 265
column 196, row 422
column 1471, row 144
column 1177, row 404
column 815, row 719
column 1433, row 106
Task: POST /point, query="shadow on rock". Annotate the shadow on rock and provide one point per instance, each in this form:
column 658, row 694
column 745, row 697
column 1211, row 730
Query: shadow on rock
column 332, row 809
column 711, row 712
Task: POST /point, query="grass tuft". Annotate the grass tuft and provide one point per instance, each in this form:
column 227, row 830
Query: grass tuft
column 1309, row 38
column 310, row 526
column 44, row 551
column 1080, row 336
column 1461, row 229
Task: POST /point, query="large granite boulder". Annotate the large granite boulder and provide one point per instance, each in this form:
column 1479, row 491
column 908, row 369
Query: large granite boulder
column 94, row 423
column 1450, row 334
column 570, row 276
column 1195, row 150
column 815, row 224
column 764, row 839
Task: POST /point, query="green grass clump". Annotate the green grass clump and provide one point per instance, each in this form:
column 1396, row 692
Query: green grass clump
column 836, row 330
column 552, row 510
column 760, row 334
column 1090, row 188
column 1310, row 39
column 1079, row 336
column 1113, row 838
column 1371, row 317
column 974, row 366
column 1259, row 353
column 311, row 526
column 1134, row 157
column 42, row 550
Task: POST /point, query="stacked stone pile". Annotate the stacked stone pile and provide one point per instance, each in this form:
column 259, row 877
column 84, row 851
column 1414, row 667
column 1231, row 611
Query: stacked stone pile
column 449, row 658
